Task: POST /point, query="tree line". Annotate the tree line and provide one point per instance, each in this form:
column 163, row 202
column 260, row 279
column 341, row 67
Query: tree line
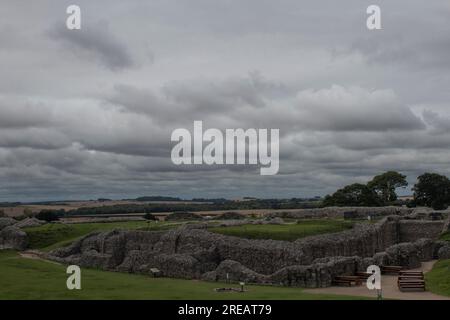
column 430, row 190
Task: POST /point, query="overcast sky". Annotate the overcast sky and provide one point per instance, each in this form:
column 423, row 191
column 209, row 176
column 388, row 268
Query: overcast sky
column 87, row 114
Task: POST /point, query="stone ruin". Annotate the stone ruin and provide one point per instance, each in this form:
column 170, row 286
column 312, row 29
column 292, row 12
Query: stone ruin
column 192, row 252
column 344, row 212
column 11, row 236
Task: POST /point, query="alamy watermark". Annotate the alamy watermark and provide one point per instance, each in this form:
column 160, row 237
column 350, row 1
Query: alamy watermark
column 74, row 280
column 235, row 146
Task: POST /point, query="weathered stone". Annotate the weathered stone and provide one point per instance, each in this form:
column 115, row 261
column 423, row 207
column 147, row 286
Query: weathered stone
column 13, row 238
column 234, row 271
column 197, row 253
column 444, row 252
column 230, row 216
column 425, row 249
column 29, row 222
column 446, row 227
column 411, row 230
column 404, row 254
column 437, row 245
column 338, row 212
column 177, row 216
column 381, row 259
column 6, row 222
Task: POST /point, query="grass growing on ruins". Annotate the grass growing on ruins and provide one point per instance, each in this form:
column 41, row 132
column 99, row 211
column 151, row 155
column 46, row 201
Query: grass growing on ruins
column 438, row 279
column 445, row 236
column 54, row 235
column 288, row 232
column 23, row 278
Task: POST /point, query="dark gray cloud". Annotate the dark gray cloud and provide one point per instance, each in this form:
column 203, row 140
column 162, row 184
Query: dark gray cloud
column 95, row 41
column 441, row 124
column 349, row 102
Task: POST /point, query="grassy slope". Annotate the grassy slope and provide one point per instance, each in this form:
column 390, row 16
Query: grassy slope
column 50, row 236
column 35, row 279
column 438, row 279
column 287, row 232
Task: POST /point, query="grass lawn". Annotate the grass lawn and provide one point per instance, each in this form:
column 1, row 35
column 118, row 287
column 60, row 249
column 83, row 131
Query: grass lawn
column 289, row 232
column 438, row 279
column 22, row 278
column 54, row 235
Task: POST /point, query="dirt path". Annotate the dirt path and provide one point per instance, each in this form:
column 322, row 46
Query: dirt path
column 35, row 255
column 389, row 287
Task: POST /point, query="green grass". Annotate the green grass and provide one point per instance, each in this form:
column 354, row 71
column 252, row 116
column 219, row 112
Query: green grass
column 445, row 236
column 54, row 235
column 438, row 279
column 22, row 278
column 288, row 232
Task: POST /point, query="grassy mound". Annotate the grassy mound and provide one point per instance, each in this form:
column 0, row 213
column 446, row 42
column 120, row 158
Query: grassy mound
column 54, row 235
column 438, row 279
column 287, row 232
column 37, row 279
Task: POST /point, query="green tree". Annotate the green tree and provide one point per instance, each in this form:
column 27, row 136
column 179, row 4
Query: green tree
column 149, row 217
column 432, row 190
column 356, row 194
column 384, row 185
column 49, row 215
column 28, row 213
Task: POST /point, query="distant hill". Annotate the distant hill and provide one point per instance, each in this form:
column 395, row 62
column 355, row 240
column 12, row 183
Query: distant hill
column 158, row 198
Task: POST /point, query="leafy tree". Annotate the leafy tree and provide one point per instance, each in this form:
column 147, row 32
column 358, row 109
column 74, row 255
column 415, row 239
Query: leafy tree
column 356, row 194
column 27, row 212
column 385, row 184
column 49, row 215
column 432, row 190
column 149, row 217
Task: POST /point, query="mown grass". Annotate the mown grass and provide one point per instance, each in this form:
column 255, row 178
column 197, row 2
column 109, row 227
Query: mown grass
column 438, row 279
column 287, row 232
column 23, row 278
column 54, row 235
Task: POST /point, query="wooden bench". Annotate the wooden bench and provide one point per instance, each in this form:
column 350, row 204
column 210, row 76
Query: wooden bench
column 419, row 277
column 347, row 280
column 342, row 283
column 363, row 275
column 391, row 269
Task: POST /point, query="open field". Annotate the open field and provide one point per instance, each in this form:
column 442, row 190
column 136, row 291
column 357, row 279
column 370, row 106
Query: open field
column 23, row 278
column 288, row 232
column 438, row 279
column 14, row 211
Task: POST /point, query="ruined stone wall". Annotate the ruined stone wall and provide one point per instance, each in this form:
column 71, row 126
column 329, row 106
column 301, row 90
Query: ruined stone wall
column 11, row 237
column 341, row 212
column 364, row 241
column 411, row 230
column 188, row 252
column 119, row 248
